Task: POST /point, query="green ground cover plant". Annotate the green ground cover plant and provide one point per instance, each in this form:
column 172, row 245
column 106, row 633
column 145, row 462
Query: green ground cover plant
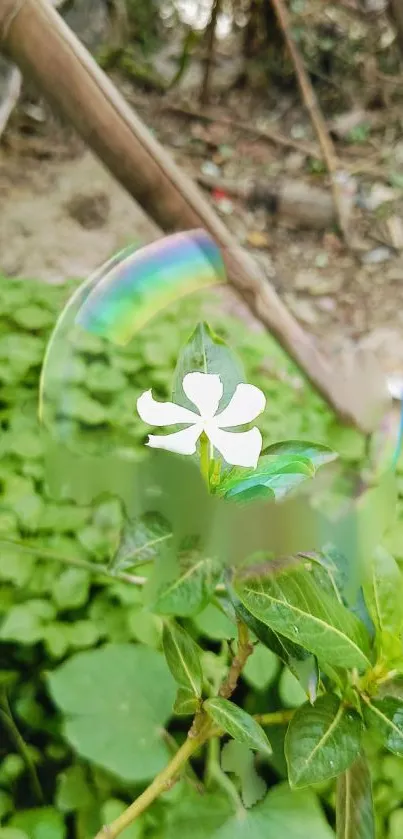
column 292, row 693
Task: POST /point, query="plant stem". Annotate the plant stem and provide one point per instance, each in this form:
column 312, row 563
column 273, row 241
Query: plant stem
column 160, row 784
column 245, row 649
column 215, row 773
column 274, row 717
column 205, row 458
column 8, row 719
column 93, row 567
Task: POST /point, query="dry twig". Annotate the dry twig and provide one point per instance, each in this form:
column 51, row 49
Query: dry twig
column 11, row 98
column 318, row 121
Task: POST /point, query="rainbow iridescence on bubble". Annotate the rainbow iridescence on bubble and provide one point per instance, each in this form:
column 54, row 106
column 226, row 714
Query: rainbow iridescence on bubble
column 143, row 283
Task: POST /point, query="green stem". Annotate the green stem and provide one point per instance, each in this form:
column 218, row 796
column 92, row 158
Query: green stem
column 275, row 717
column 205, row 458
column 93, row 567
column 215, row 773
column 9, row 722
column 160, row 784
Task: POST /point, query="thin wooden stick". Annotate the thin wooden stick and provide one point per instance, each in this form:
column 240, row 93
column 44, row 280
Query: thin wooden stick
column 11, row 98
column 318, row 121
column 211, row 38
column 45, row 49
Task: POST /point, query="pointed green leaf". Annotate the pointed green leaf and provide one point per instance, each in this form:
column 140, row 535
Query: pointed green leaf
column 236, row 722
column 190, row 592
column 384, row 718
column 393, row 687
column 186, row 703
column 182, row 655
column 272, row 478
column 383, row 592
column 205, row 352
column 141, row 541
column 354, row 805
column 322, row 740
column 295, row 606
column 315, row 452
column 286, row 650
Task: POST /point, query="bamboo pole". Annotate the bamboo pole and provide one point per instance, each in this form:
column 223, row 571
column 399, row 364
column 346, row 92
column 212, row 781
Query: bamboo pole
column 35, row 37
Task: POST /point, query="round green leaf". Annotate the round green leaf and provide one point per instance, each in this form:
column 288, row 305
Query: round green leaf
column 115, row 701
column 261, row 668
column 40, row 823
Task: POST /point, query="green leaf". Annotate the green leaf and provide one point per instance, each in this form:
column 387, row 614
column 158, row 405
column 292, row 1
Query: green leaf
column 212, row 623
column 205, row 352
column 238, row 759
column 183, row 657
column 384, row 718
column 73, row 791
column 190, row 592
column 322, row 741
column 383, row 592
column 272, row 478
column 141, row 541
column 261, row 668
column 81, row 407
column 236, row 722
column 186, row 703
column 40, row 823
column 71, row 588
column 295, row 606
column 283, row 813
column 63, row 518
column 286, row 650
column 281, row 468
column 116, row 700
column 32, row 317
column 24, row 623
column 6, row 805
column 12, row 833
column 354, row 807
column 290, row 690
column 317, row 454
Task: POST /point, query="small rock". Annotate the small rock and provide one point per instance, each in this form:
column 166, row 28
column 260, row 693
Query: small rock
column 377, row 255
column 258, row 239
column 395, row 228
column 210, row 169
column 294, row 162
column 380, row 194
column 321, row 260
column 326, row 304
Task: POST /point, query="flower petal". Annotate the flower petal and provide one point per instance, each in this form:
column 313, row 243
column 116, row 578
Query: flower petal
column 205, row 391
column 246, row 404
column 239, row 448
column 162, row 413
column 181, row 442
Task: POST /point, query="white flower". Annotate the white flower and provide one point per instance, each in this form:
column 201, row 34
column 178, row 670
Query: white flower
column 205, row 390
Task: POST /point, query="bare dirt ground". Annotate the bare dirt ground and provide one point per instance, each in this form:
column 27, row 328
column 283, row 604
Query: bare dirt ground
column 62, row 215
